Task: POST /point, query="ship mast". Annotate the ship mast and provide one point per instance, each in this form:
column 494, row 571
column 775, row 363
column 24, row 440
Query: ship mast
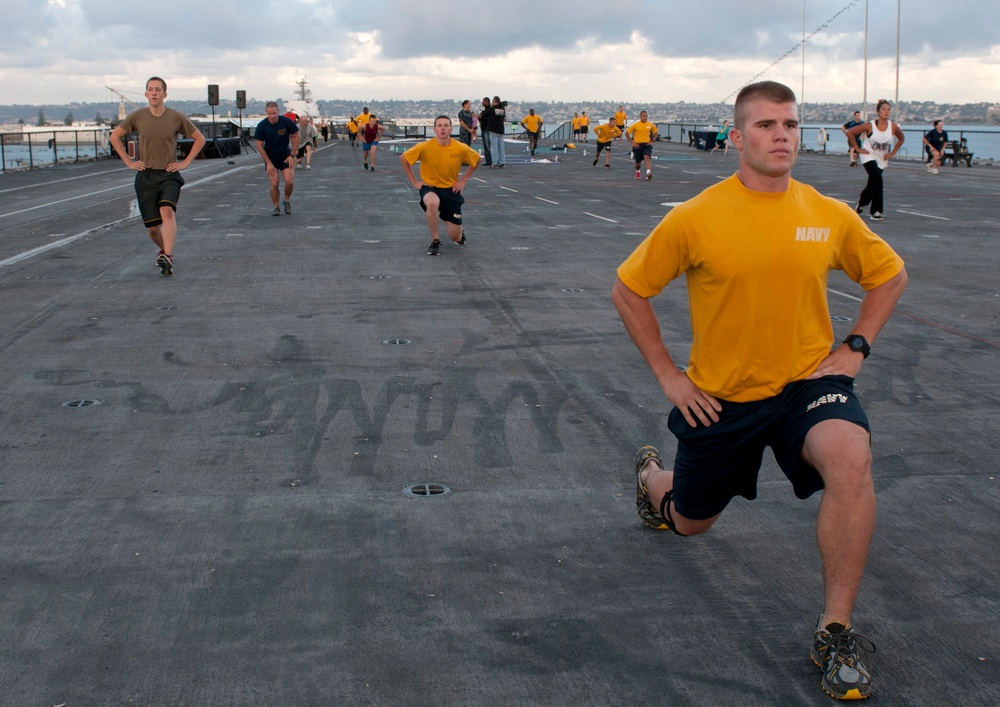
column 305, row 94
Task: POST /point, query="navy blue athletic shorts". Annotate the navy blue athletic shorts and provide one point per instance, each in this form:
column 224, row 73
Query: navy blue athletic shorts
column 280, row 161
column 714, row 464
column 451, row 203
column 641, row 149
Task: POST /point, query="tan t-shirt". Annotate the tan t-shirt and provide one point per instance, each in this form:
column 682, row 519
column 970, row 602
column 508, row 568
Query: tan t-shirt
column 158, row 135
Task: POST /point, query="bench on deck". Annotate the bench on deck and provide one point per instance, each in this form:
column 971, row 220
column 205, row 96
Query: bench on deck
column 956, row 151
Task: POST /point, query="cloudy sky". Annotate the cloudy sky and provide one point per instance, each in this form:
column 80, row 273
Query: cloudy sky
column 58, row 51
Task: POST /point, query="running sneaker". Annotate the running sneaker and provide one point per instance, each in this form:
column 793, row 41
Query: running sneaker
column 288, row 207
column 372, row 168
column 841, row 654
column 595, row 161
column 930, row 167
column 637, row 174
column 462, row 242
column 366, row 165
column 434, row 248
column 166, row 263
column 876, row 216
column 607, row 166
column 643, row 505
column 649, row 176
column 934, row 171
column 308, row 166
column 277, row 211
column 858, row 208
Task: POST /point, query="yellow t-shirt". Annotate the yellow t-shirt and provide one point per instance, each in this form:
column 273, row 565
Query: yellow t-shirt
column 642, row 132
column 620, row 118
column 584, row 121
column 532, row 122
column 756, row 266
column 362, row 119
column 441, row 165
column 605, row 133
column 352, row 126
column 576, row 125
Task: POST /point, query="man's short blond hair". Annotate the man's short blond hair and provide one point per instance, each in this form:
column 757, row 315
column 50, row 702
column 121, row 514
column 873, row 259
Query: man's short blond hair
column 767, row 90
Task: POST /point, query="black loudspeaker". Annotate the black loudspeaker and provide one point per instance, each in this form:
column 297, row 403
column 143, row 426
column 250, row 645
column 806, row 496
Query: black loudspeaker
column 241, row 100
column 213, row 94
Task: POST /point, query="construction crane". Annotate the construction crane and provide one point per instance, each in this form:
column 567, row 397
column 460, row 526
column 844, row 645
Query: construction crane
column 122, row 113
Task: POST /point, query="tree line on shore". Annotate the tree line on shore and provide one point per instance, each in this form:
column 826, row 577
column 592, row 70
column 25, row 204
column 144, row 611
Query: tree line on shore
column 679, row 112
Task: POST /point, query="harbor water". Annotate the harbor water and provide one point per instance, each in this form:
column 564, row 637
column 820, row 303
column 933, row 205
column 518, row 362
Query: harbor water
column 983, row 141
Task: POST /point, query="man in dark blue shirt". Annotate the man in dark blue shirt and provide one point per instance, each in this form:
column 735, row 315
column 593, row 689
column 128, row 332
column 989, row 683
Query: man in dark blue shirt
column 934, row 143
column 853, row 122
column 277, row 139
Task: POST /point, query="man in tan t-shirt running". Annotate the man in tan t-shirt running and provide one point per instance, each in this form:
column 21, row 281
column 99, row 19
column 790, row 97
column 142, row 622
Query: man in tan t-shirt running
column 158, row 182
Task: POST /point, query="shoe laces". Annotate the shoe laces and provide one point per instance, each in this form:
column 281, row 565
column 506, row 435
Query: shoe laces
column 846, row 646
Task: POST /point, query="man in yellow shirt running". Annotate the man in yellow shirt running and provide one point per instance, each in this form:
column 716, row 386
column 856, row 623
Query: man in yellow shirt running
column 764, row 368
column 640, row 136
column 532, row 125
column 440, row 185
column 621, row 118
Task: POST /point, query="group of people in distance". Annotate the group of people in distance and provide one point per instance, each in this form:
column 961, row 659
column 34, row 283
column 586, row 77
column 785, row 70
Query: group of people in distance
column 795, row 394
column 370, row 130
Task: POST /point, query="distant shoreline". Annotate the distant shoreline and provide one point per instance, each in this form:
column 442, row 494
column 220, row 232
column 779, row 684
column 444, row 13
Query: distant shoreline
column 912, row 113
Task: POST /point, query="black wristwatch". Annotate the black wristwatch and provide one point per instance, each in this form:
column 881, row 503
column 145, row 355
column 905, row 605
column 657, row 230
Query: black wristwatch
column 856, row 342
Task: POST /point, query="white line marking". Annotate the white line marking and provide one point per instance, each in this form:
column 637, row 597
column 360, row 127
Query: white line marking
column 914, row 213
column 600, row 217
column 55, row 181
column 509, row 189
column 843, row 294
column 72, row 198
column 120, row 186
column 547, row 201
column 65, row 241
column 133, row 213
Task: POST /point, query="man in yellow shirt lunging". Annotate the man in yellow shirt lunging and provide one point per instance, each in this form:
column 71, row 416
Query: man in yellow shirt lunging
column 640, row 136
column 765, row 369
column 605, row 135
column 440, row 186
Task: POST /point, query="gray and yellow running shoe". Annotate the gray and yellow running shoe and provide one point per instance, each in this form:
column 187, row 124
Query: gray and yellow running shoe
column 841, row 654
column 643, row 505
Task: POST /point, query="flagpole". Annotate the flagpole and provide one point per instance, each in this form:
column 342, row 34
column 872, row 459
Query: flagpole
column 864, row 100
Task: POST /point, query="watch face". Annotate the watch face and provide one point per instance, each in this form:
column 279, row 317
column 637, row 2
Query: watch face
column 856, row 342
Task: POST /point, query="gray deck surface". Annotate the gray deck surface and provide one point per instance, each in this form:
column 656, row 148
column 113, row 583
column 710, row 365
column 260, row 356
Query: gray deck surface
column 230, row 526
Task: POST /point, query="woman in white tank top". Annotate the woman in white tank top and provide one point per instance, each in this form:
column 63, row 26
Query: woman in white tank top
column 876, row 150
